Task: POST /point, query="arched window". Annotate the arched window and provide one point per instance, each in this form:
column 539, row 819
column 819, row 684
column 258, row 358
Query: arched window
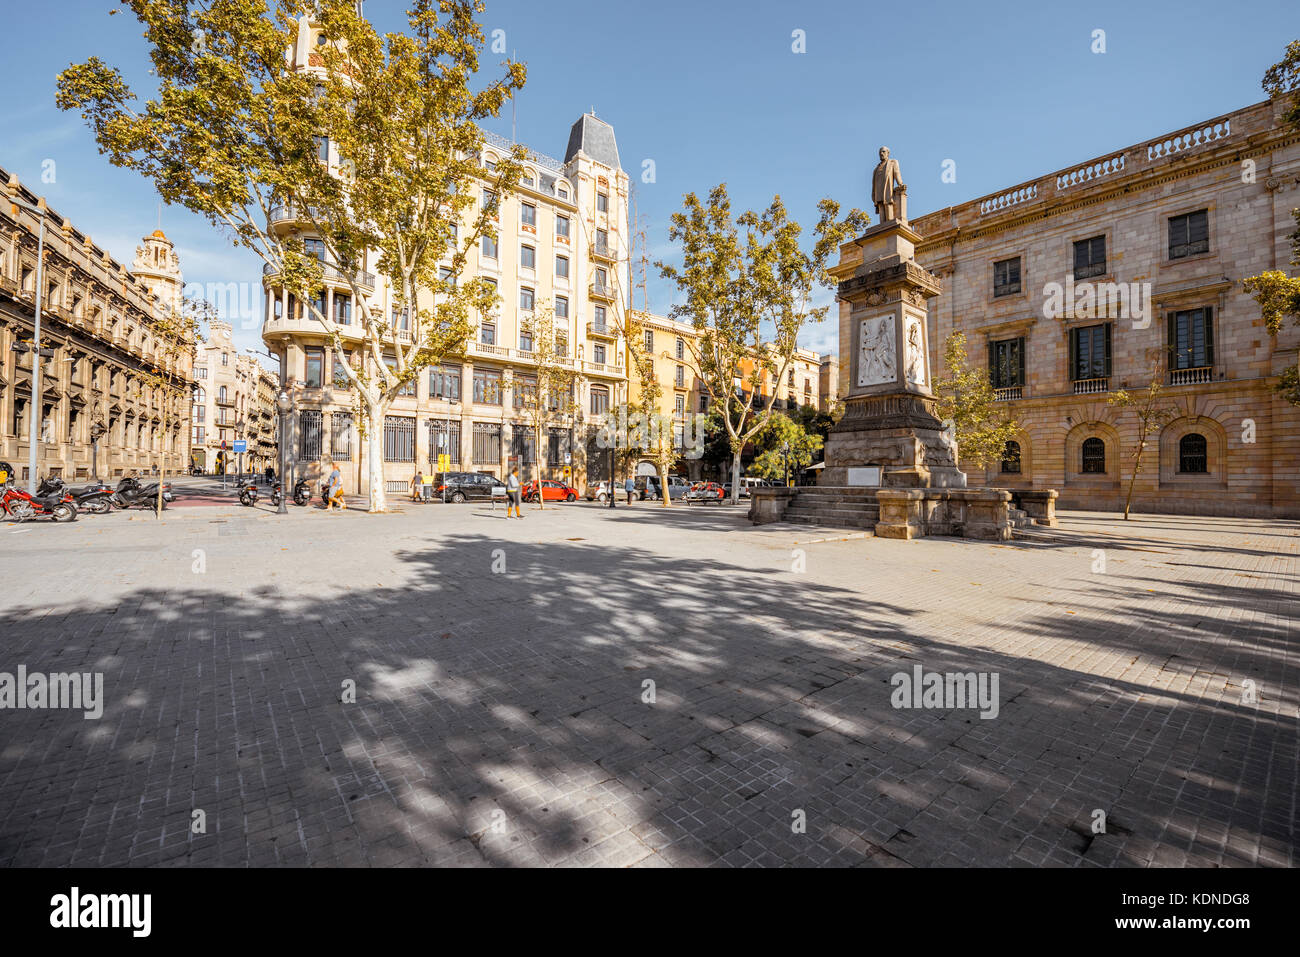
column 221, row 394
column 1011, row 459
column 1094, row 456
column 1192, row 454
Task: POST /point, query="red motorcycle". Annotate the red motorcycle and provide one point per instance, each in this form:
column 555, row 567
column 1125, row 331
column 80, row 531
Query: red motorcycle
column 20, row 506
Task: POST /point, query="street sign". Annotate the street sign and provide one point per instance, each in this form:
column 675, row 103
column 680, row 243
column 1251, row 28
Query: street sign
column 241, row 446
column 568, row 458
column 444, row 463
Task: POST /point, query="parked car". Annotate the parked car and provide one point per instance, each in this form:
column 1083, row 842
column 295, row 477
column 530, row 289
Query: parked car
column 465, row 486
column 705, row 492
column 598, row 492
column 551, row 492
column 648, row 487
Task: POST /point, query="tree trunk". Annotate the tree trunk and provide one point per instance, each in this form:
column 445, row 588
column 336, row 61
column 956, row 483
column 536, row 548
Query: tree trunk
column 735, row 476
column 1132, row 481
column 374, row 454
column 537, row 468
column 663, row 484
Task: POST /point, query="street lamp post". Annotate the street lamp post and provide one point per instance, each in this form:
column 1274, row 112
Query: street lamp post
column 785, row 459
column 37, row 397
column 97, row 431
column 283, row 405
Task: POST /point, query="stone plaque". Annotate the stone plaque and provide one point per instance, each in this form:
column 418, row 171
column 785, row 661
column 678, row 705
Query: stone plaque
column 868, row 477
column 914, row 346
column 876, row 360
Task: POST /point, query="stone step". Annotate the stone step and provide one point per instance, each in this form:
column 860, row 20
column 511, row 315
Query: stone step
column 834, row 499
column 865, row 524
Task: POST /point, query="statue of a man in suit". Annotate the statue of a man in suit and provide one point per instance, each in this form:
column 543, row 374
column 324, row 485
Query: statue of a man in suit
column 886, row 174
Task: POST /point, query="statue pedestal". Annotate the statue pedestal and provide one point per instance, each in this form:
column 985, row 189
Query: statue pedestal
column 889, row 419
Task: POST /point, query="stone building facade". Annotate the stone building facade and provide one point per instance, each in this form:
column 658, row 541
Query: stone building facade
column 1077, row 284
column 101, row 321
column 562, row 243
column 230, row 404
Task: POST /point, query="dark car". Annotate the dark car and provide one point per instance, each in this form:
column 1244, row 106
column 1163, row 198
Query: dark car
column 468, row 486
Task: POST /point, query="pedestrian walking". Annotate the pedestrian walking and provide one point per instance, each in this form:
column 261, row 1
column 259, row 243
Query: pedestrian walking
column 629, row 486
column 270, row 475
column 334, row 491
column 417, row 486
column 515, row 493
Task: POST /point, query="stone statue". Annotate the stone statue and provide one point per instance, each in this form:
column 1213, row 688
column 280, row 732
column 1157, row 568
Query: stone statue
column 876, row 352
column 915, row 353
column 886, row 174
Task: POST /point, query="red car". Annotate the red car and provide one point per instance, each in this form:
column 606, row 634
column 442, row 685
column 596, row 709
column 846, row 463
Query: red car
column 551, row 492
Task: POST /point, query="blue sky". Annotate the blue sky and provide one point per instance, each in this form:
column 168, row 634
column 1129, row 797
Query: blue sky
column 713, row 92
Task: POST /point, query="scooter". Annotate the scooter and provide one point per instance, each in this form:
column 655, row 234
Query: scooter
column 90, row 498
column 21, row 506
column 248, row 495
column 131, row 494
column 302, row 493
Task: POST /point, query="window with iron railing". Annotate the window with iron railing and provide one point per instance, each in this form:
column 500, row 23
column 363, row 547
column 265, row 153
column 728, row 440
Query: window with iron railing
column 1011, row 458
column 444, row 438
column 399, row 438
column 1191, row 341
column 1007, row 363
column 341, row 436
column 309, row 435
column 487, row 443
column 1093, row 454
column 1193, row 454
column 1090, row 352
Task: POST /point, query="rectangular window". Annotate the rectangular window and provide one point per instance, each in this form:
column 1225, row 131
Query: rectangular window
column 1090, row 258
column 561, row 267
column 649, row 340
column 599, row 400
column 562, row 226
column 309, row 435
column 489, row 247
column 487, row 386
column 487, row 333
column 487, row 443
column 1090, row 352
column 680, row 402
column 444, row 438
column 444, row 383
column 198, row 434
column 399, row 438
column 598, row 318
column 1007, row 363
column 1189, row 234
column 602, row 203
column 314, row 247
column 343, row 310
column 523, row 445
column 341, row 436
column 322, row 148
column 557, row 444
column 681, row 349
column 1006, row 277
column 526, row 298
column 598, row 353
column 525, row 390
column 315, row 372
column 527, row 257
column 525, row 340
column 1191, row 339
column 561, row 307
column 681, row 377
column 528, row 215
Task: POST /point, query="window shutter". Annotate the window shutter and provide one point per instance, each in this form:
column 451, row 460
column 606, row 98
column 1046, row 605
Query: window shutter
column 1171, row 325
column 993, row 364
column 1108, row 327
column 1074, row 354
column 1020, row 350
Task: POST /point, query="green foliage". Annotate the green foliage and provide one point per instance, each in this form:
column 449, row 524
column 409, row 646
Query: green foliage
column 780, row 442
column 743, row 276
column 966, row 399
column 815, row 421
column 232, row 130
column 1278, row 296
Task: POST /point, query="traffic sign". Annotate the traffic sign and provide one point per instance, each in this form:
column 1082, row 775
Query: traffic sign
column 241, row 446
column 444, row 463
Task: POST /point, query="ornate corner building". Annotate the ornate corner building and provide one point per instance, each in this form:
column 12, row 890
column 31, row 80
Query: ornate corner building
column 235, row 399
column 1073, row 285
column 100, row 321
column 562, row 242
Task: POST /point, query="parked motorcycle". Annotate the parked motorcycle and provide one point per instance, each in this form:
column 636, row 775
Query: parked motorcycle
column 248, row 494
column 302, row 493
column 131, row 494
column 21, row 506
column 92, row 498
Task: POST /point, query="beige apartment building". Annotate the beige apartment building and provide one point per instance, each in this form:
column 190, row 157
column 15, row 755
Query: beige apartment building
column 562, row 244
column 98, row 410
column 1071, row 284
column 231, row 403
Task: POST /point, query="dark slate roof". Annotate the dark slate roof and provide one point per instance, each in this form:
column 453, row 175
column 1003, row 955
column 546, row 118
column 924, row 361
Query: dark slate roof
column 594, row 137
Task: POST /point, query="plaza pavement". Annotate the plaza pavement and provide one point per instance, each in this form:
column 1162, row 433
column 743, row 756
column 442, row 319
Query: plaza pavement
column 500, row 718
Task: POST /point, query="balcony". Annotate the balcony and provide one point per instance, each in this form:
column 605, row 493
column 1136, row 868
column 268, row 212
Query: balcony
column 606, row 251
column 1091, row 386
column 601, row 331
column 1009, row 394
column 494, row 351
column 333, row 274
column 289, row 213
column 1199, row 376
column 602, row 291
